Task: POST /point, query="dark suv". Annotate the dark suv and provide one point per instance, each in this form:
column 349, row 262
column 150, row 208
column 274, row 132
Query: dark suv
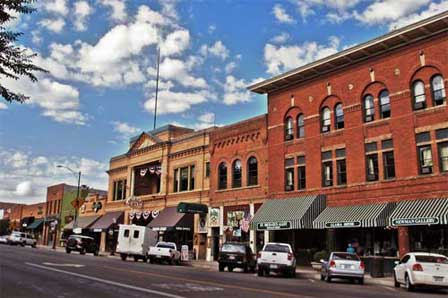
column 233, row 255
column 82, row 244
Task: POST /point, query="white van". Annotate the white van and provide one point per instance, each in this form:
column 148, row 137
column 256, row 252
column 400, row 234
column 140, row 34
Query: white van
column 134, row 241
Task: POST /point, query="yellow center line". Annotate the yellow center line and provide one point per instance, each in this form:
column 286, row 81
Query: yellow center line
column 276, row 293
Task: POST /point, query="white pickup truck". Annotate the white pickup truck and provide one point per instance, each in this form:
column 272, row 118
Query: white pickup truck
column 276, row 257
column 164, row 251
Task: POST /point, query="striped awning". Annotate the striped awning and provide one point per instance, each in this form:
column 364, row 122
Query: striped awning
column 374, row 215
column 287, row 214
column 420, row 212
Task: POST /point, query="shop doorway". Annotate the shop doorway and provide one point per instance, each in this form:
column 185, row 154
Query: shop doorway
column 215, row 243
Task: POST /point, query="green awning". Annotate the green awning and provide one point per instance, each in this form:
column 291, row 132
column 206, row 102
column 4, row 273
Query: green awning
column 82, row 222
column 192, row 208
column 356, row 216
column 420, row 212
column 36, row 224
column 287, row 214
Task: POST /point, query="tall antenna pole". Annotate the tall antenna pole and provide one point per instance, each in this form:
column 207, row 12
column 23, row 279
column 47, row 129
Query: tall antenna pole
column 157, row 86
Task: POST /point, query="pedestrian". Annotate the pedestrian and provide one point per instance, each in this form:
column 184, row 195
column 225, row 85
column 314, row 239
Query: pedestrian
column 350, row 248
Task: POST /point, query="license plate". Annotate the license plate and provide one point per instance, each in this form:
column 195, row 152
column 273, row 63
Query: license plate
column 231, row 257
column 273, row 266
column 158, row 257
column 438, row 278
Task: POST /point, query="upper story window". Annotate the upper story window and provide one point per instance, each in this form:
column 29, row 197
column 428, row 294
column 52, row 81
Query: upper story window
column 236, row 174
column 438, row 90
column 289, row 130
column 339, row 119
column 369, row 108
column 252, row 171
column 418, row 93
column 384, row 104
column 424, row 152
column 325, row 119
column 289, row 174
column 119, row 191
column 222, row 176
column 327, row 169
column 300, row 126
column 184, row 178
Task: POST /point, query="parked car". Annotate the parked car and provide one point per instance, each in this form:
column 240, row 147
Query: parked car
column 236, row 255
column 81, row 243
column 135, row 241
column 342, row 265
column 421, row 270
column 21, row 238
column 276, row 257
column 4, row 239
column 164, row 251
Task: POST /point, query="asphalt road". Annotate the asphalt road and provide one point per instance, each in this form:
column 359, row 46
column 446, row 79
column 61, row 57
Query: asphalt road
column 28, row 272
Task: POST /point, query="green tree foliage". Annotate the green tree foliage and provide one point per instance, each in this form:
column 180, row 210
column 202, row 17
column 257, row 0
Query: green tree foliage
column 15, row 61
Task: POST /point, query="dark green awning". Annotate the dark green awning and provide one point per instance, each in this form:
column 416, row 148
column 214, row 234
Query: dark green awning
column 420, row 212
column 287, row 214
column 374, row 215
column 36, row 224
column 192, row 208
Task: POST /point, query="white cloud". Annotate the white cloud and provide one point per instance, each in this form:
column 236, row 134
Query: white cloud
column 55, row 25
column 24, row 189
column 207, row 117
column 230, row 67
column 235, row 91
column 3, row 106
column 177, row 70
column 125, row 129
column 56, row 6
column 118, row 9
column 82, row 11
column 218, row 49
column 211, row 29
column 337, row 7
column 279, row 59
column 175, row 43
column 433, row 9
column 281, row 15
column 280, row 38
column 36, row 38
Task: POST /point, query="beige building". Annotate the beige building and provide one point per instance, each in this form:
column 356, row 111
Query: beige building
column 162, row 168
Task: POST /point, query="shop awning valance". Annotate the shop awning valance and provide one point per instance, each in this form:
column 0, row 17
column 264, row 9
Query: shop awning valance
column 36, row 224
column 170, row 219
column 82, row 222
column 286, row 214
column 420, row 212
column 107, row 220
column 356, row 216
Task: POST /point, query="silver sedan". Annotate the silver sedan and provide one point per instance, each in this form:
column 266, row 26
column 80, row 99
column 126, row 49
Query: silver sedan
column 342, row 265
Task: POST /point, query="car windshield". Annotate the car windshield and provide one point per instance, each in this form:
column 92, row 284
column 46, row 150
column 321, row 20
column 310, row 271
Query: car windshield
column 233, row 248
column 165, row 245
column 276, row 248
column 343, row 256
column 431, row 259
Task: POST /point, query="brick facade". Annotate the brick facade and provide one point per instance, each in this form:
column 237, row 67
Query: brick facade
column 34, row 210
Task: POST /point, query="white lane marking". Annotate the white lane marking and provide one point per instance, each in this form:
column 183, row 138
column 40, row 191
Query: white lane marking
column 187, row 287
column 64, row 265
column 105, row 281
column 387, row 288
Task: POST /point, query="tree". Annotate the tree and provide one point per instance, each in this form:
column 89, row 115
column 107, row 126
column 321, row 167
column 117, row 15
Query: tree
column 15, row 61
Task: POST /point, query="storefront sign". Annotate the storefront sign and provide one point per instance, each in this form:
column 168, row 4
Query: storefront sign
column 184, row 254
column 77, row 231
column 415, row 221
column 202, row 224
column 97, row 230
column 213, row 219
column 192, row 208
column 234, row 218
column 275, row 225
column 134, row 202
column 343, row 224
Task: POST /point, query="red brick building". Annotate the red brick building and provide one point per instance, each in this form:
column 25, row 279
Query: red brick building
column 367, row 128
column 238, row 179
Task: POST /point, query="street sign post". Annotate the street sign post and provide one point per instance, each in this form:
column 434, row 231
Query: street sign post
column 77, row 203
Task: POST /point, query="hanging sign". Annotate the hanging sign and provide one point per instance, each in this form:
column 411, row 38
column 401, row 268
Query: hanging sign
column 343, row 224
column 415, row 221
column 274, row 225
column 134, row 202
column 213, row 219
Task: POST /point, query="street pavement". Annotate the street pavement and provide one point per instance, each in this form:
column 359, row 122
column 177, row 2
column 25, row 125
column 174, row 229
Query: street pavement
column 28, row 272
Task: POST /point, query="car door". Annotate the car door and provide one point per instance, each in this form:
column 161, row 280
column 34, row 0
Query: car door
column 400, row 269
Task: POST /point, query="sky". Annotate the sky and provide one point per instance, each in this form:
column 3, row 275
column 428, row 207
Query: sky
column 102, row 55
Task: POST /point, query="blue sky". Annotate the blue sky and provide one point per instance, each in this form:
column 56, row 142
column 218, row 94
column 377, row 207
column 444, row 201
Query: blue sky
column 101, row 55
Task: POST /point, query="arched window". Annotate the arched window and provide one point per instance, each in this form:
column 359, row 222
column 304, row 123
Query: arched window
column 325, row 120
column 222, row 176
column 339, row 119
column 289, row 130
column 418, row 92
column 384, row 104
column 252, row 171
column 236, row 174
column 369, row 108
column 300, row 126
column 438, row 90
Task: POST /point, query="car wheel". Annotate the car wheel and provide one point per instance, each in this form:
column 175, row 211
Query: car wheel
column 245, row 268
column 396, row 283
column 68, row 250
column 33, row 246
column 96, row 253
column 82, row 252
column 151, row 260
column 293, row 273
column 322, row 277
column 136, row 258
column 260, row 272
column 407, row 282
column 230, row 268
column 328, row 278
column 221, row 267
column 361, row 281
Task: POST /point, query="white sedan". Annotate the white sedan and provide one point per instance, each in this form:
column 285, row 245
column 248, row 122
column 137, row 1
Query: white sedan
column 422, row 269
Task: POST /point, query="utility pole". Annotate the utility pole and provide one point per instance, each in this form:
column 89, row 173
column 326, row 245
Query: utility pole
column 75, row 223
column 157, row 86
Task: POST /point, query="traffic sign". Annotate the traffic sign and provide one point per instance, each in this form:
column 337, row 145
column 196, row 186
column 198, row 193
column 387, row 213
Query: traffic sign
column 78, row 202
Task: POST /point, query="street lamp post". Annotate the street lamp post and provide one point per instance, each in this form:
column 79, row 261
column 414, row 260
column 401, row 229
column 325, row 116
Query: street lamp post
column 77, row 192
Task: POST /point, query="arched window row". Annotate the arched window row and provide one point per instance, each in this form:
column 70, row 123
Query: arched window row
column 437, row 89
column 237, row 171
